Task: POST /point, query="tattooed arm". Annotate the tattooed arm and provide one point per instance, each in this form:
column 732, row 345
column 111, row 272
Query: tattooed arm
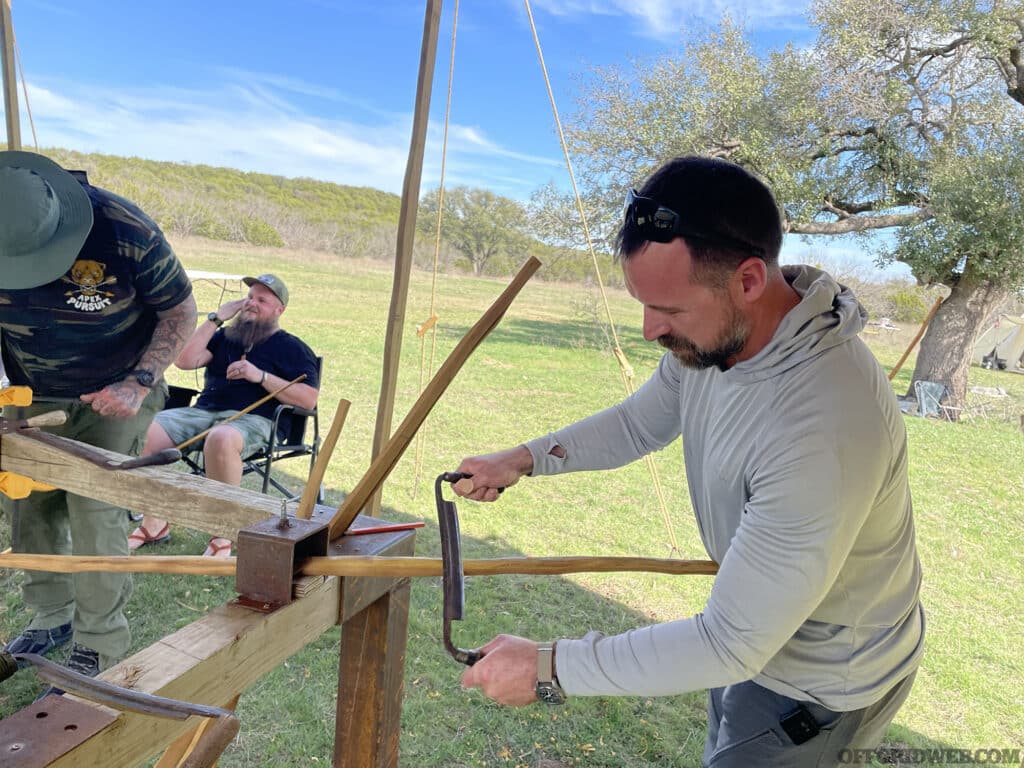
column 173, row 329
column 122, row 399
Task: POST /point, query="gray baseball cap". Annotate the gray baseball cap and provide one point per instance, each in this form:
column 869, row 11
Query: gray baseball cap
column 45, row 218
column 273, row 282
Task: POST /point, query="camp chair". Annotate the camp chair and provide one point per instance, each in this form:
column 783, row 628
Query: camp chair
column 288, row 440
column 930, row 395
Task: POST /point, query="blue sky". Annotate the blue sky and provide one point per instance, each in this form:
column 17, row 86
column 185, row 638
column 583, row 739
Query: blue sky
column 325, row 88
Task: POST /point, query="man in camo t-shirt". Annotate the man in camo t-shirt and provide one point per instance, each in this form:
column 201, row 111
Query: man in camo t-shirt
column 94, row 306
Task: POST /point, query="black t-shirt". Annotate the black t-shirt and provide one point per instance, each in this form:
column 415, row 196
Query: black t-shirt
column 280, row 355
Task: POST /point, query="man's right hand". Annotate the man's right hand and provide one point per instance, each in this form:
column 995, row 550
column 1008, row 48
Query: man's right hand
column 492, row 472
column 228, row 310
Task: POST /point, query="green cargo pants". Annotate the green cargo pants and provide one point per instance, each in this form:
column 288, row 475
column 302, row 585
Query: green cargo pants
column 58, row 522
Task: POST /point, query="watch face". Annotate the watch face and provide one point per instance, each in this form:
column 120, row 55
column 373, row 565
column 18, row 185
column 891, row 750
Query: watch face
column 145, row 378
column 213, row 318
column 550, row 693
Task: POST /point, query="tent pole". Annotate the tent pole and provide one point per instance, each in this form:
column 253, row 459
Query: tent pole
column 10, row 77
column 406, row 233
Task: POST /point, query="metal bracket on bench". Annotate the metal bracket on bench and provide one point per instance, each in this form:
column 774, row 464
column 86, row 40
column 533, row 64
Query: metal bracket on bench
column 269, row 555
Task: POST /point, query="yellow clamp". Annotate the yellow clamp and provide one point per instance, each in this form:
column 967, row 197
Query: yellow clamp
column 19, row 396
column 18, row 486
column 13, row 485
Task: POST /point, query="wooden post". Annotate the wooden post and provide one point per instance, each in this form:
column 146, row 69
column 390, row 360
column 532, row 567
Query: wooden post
column 406, row 233
column 371, row 670
column 10, row 77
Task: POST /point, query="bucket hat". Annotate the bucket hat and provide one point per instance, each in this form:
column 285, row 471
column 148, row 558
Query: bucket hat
column 45, row 217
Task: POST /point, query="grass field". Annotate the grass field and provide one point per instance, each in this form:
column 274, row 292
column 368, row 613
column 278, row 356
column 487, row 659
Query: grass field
column 545, row 365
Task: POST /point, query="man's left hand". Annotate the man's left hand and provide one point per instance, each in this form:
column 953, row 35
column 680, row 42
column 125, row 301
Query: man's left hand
column 508, row 671
column 120, row 400
column 243, row 369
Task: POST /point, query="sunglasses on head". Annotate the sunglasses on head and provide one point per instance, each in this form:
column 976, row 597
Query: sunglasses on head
column 659, row 224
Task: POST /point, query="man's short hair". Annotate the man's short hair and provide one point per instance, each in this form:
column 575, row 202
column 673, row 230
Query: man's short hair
column 716, row 197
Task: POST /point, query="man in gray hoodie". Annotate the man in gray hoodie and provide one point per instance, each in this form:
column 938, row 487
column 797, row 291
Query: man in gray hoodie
column 796, row 461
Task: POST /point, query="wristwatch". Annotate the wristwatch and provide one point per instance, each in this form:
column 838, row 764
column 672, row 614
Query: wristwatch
column 214, row 318
column 145, row 378
column 548, row 689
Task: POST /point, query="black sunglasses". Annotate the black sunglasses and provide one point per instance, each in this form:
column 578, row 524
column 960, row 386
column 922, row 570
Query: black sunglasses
column 659, row 224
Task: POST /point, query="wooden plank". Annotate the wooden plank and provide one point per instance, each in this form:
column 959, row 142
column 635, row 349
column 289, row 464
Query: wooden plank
column 212, row 659
column 359, row 593
column 207, row 662
column 197, row 502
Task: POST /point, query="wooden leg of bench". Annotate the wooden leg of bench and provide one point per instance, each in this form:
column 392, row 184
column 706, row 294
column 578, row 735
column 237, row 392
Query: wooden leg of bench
column 370, row 681
column 182, row 747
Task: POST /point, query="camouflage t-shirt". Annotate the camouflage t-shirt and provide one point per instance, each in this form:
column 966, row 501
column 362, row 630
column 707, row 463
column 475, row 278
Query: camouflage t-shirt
column 89, row 328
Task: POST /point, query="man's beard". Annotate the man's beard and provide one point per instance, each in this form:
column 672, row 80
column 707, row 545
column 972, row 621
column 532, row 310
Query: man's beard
column 249, row 333
column 729, row 343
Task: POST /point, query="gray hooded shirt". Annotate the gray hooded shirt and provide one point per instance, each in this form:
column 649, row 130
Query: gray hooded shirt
column 796, row 461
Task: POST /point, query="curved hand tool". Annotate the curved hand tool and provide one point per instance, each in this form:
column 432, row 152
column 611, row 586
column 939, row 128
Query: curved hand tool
column 453, row 579
column 212, row 743
column 29, row 428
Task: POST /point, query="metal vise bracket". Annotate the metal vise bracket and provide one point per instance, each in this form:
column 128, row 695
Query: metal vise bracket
column 269, row 555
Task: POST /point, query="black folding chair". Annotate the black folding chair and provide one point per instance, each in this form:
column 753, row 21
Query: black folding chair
column 295, row 434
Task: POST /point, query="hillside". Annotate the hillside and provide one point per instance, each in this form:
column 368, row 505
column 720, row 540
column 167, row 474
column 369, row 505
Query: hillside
column 255, row 208
column 359, row 222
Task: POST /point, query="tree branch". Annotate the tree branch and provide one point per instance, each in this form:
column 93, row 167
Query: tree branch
column 860, row 223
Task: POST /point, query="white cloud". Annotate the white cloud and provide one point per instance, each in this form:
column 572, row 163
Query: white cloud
column 663, row 20
column 248, row 122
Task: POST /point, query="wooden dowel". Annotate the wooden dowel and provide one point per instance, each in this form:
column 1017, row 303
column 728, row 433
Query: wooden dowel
column 323, row 457
column 917, row 338
column 196, row 565
column 395, row 567
column 242, row 412
column 381, row 466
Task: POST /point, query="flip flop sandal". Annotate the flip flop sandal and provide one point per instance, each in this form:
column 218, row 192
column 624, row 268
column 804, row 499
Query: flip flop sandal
column 216, row 549
column 141, row 536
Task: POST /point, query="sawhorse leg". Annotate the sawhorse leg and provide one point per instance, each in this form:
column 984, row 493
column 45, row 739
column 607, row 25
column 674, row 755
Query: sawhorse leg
column 370, row 682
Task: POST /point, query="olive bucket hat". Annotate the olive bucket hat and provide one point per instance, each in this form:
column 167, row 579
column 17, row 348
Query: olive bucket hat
column 45, row 217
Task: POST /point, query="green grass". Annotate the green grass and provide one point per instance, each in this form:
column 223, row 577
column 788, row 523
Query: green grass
column 543, row 366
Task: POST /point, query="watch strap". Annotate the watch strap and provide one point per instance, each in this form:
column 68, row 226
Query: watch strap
column 545, row 662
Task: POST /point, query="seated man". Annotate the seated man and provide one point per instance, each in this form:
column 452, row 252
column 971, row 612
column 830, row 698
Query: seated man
column 244, row 362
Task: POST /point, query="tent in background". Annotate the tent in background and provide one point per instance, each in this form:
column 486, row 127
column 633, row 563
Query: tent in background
column 1001, row 346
